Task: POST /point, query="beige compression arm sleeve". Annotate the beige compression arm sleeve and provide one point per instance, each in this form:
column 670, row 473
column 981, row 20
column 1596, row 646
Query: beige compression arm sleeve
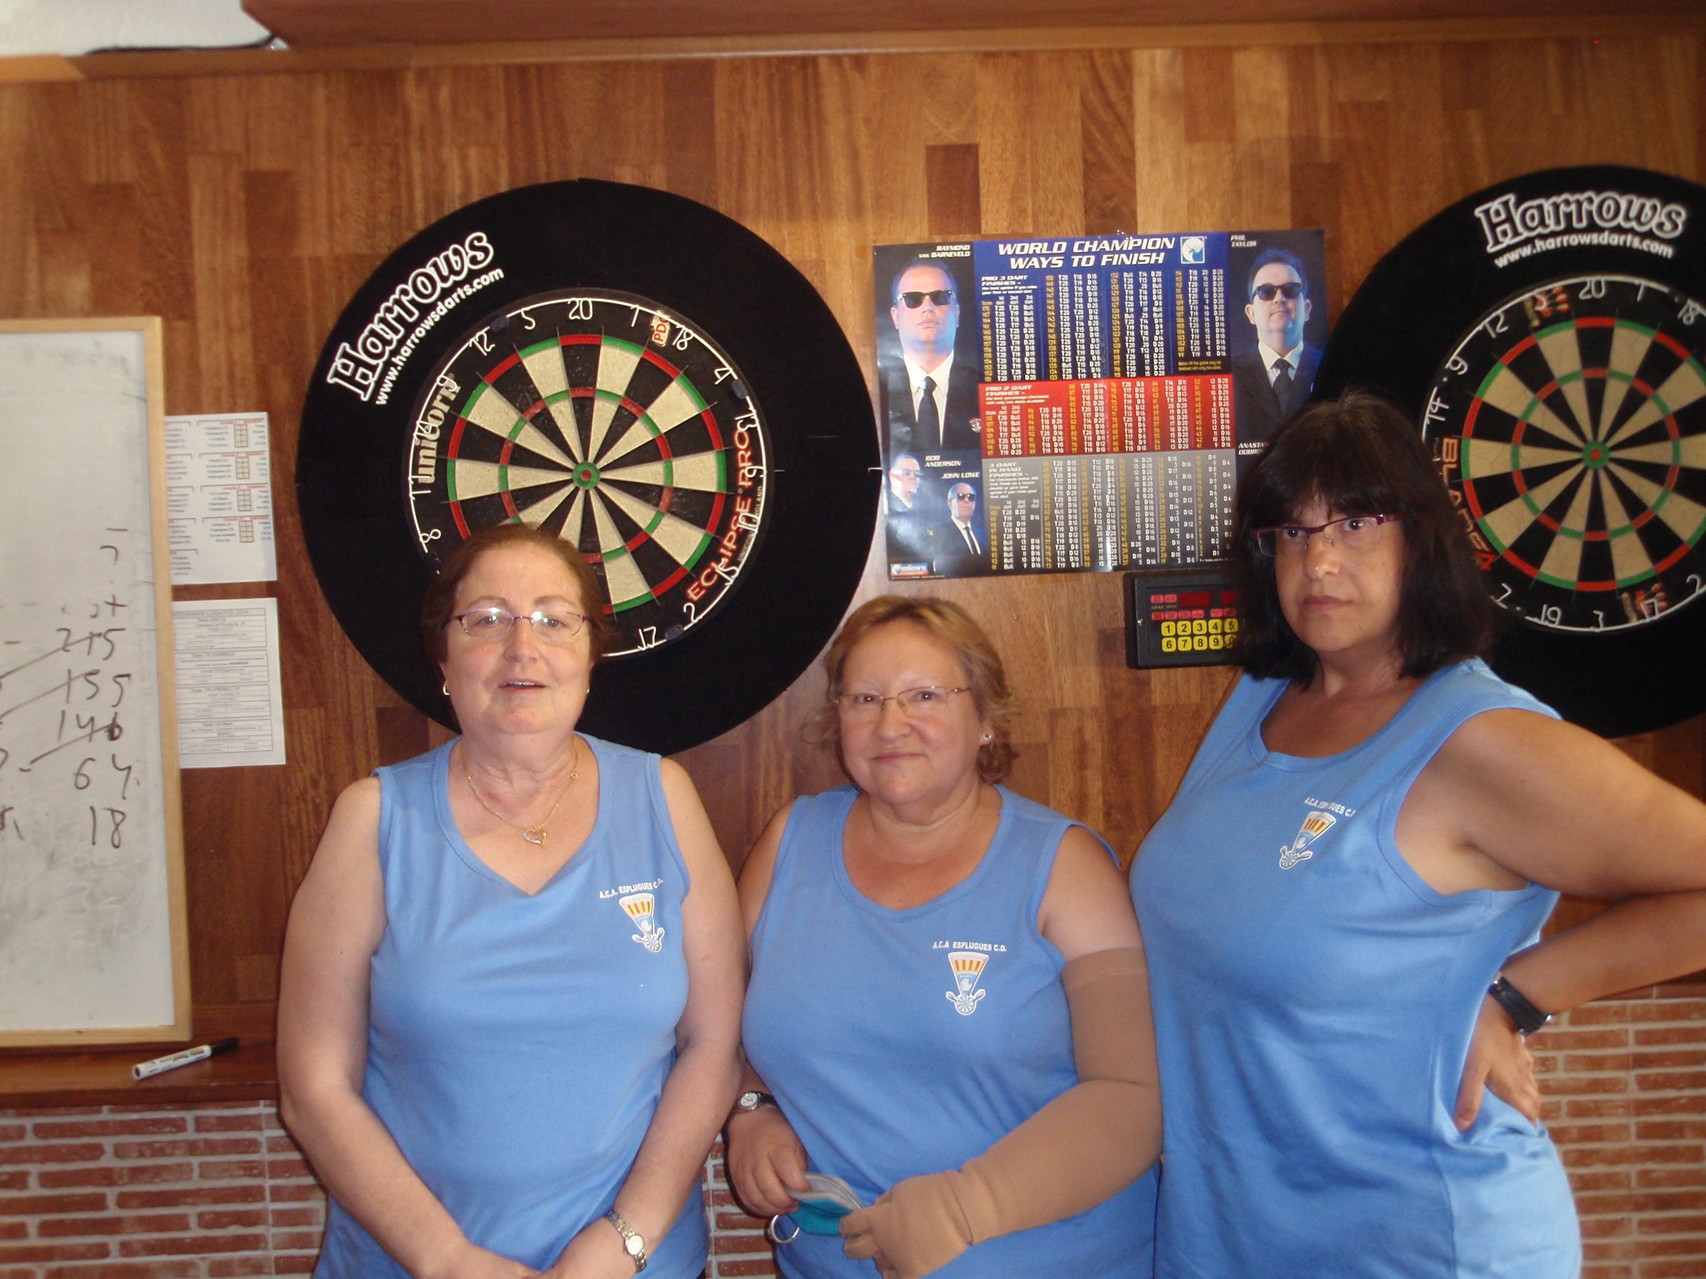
column 1090, row 1142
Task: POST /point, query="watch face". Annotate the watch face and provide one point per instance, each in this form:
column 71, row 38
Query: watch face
column 613, row 422
column 631, row 372
column 1549, row 334
column 1571, row 423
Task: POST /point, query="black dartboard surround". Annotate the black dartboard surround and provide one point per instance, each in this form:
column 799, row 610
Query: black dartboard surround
column 631, row 370
column 1549, row 333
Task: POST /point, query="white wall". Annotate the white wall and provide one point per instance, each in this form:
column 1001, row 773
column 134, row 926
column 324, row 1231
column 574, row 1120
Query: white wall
column 81, row 26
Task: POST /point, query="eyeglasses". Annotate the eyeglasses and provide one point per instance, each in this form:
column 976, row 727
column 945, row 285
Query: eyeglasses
column 906, row 472
column 493, row 625
column 964, row 497
column 930, row 702
column 1291, row 292
column 914, row 298
column 1354, row 533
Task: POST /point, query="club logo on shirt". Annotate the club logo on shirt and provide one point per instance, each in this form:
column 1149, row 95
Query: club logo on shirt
column 641, row 908
column 1320, row 819
column 967, row 966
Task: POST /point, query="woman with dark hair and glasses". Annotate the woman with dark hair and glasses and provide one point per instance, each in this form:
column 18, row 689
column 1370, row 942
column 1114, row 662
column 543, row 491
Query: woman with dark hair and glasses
column 1343, row 902
column 947, row 1002
column 510, row 1005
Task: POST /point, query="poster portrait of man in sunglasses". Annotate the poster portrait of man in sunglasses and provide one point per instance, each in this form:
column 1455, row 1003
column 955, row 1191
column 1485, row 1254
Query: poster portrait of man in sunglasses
column 930, row 390
column 1271, row 380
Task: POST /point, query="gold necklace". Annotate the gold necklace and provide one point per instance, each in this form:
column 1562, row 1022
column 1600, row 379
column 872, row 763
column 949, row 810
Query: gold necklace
column 532, row 834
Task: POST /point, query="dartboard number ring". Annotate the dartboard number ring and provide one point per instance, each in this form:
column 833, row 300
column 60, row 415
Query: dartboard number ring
column 615, row 423
column 1570, row 426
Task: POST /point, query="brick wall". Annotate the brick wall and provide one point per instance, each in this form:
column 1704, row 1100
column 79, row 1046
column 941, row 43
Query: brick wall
column 201, row 1192
column 121, row 1192
column 1625, row 1087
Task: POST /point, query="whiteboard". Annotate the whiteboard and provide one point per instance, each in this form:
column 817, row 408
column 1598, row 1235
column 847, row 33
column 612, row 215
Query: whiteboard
column 93, row 945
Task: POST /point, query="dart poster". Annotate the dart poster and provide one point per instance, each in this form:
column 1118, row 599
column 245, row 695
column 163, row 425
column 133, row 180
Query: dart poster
column 1084, row 403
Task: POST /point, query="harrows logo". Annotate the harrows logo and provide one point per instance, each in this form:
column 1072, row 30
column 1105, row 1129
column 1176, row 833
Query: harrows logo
column 1507, row 223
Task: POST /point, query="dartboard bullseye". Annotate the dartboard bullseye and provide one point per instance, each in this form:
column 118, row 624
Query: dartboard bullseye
column 614, row 423
column 1571, row 421
column 1549, row 333
column 635, row 373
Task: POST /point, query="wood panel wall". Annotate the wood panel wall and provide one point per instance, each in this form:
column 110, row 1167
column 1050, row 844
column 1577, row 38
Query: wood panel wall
column 244, row 209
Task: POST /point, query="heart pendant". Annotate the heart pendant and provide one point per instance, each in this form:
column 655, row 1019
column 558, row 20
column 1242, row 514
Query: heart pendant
column 534, row 834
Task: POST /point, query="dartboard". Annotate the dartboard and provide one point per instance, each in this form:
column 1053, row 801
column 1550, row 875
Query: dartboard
column 1579, row 455
column 616, row 424
column 634, row 373
column 1550, row 334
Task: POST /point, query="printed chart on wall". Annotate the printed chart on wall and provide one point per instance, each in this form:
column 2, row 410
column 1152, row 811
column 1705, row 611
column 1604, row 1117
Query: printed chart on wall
column 1084, row 403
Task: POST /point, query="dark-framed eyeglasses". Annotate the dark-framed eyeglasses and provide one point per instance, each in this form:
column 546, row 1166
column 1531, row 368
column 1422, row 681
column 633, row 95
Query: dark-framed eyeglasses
column 914, row 298
column 928, row 702
column 1352, row 533
column 493, row 625
column 1290, row 291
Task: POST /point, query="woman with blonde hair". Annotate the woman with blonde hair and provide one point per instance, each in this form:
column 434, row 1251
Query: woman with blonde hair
column 947, row 1008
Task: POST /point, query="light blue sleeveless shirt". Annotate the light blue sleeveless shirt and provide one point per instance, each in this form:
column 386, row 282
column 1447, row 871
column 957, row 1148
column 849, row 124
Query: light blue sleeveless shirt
column 903, row 1042
column 1313, row 1005
column 517, row 1045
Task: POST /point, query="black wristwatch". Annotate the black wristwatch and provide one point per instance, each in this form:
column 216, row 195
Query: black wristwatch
column 1524, row 1016
column 751, row 1100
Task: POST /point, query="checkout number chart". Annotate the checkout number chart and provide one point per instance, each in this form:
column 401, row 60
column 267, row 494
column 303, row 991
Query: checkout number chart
column 1109, row 420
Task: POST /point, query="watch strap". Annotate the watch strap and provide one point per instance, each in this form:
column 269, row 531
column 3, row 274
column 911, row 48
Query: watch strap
column 750, row 1100
column 1523, row 1014
column 633, row 1242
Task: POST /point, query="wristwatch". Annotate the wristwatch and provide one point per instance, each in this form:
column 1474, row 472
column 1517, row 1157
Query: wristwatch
column 633, row 1242
column 751, row 1100
column 1524, row 1015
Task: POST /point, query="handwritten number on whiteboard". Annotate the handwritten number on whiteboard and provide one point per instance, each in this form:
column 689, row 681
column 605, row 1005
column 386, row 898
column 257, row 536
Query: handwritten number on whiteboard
column 115, row 819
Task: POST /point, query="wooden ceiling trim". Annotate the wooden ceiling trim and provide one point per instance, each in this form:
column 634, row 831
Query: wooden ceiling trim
column 202, row 62
column 346, row 22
